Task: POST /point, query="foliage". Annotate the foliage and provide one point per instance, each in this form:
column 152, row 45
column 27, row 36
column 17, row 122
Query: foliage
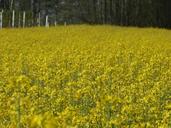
column 141, row 13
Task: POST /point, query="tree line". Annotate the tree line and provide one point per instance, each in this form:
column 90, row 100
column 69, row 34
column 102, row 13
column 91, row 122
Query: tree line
column 156, row 13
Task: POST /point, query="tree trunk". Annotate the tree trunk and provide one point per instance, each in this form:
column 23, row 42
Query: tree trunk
column 13, row 18
column 24, row 19
column 94, row 11
column 1, row 19
column 105, row 13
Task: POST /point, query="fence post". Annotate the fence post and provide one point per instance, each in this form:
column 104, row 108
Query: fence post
column 1, row 19
column 47, row 21
column 24, row 18
column 13, row 18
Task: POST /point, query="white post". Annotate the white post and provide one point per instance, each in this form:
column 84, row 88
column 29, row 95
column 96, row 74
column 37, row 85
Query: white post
column 55, row 23
column 1, row 19
column 47, row 21
column 24, row 18
column 65, row 23
column 13, row 18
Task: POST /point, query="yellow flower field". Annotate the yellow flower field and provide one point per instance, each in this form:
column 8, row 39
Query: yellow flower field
column 85, row 77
